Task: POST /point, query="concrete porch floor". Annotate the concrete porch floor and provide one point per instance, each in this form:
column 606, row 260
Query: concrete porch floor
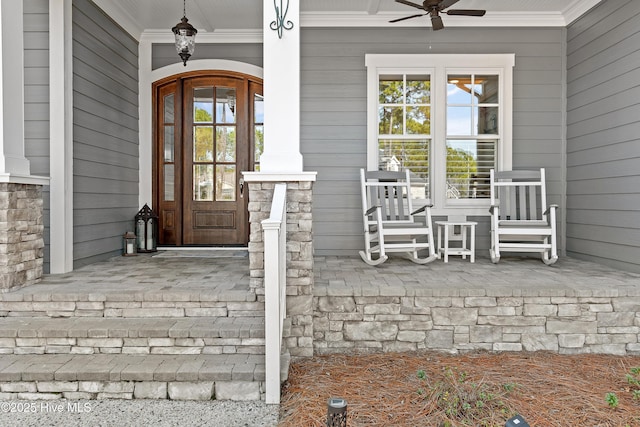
column 229, row 276
column 204, row 273
column 512, row 276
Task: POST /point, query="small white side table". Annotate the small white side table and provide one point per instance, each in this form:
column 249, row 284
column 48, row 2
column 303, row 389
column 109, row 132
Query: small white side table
column 467, row 235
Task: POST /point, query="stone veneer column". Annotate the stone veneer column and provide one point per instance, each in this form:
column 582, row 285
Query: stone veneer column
column 21, row 223
column 299, row 339
column 21, row 235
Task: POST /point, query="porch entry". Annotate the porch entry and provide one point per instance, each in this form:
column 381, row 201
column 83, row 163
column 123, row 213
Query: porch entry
column 208, row 130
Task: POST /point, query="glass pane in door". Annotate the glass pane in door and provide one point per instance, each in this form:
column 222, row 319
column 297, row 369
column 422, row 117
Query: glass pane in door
column 258, row 129
column 168, row 109
column 259, row 143
column 168, row 143
column 202, row 143
column 225, row 105
column 203, row 182
column 169, row 183
column 225, row 143
column 225, row 183
column 203, row 105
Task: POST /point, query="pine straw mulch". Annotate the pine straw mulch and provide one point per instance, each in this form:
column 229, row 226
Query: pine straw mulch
column 384, row 389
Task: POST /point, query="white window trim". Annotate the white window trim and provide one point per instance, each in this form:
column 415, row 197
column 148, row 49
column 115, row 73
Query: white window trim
column 438, row 65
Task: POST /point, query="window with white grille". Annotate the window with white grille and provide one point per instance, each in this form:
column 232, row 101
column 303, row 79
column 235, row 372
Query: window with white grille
column 447, row 118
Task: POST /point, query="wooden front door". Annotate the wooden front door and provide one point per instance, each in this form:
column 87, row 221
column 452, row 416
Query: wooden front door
column 205, row 139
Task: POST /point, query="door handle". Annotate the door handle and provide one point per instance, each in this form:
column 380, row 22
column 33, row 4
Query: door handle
column 241, row 184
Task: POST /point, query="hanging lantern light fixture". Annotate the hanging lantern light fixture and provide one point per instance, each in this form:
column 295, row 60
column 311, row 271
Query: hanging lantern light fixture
column 185, row 36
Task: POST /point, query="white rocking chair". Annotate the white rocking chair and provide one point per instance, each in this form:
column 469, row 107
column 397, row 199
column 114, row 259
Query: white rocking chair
column 520, row 218
column 390, row 223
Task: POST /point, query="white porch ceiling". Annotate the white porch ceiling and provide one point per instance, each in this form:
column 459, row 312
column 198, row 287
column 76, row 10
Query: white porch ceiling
column 156, row 16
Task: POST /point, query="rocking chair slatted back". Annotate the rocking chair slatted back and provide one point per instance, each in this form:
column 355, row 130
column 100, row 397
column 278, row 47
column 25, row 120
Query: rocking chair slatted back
column 521, row 195
column 521, row 221
column 389, row 191
column 390, row 223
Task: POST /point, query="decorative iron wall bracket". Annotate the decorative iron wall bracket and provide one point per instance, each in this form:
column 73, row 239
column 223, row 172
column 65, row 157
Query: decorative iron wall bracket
column 281, row 23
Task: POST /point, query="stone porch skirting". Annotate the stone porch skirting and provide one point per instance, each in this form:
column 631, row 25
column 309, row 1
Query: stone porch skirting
column 348, row 320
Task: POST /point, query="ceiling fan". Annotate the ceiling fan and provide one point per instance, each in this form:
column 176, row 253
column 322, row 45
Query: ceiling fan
column 434, row 7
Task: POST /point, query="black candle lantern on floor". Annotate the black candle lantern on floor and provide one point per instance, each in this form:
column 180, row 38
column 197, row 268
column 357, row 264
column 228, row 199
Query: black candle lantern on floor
column 146, row 230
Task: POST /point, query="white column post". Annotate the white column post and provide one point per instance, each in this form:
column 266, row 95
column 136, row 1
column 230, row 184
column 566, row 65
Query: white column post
column 13, row 162
column 61, row 137
column 145, row 154
column 281, row 61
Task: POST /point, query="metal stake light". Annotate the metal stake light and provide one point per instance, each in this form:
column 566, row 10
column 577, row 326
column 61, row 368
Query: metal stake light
column 336, row 412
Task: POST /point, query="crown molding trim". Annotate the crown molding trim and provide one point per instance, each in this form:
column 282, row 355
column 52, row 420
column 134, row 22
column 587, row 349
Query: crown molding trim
column 381, row 19
column 217, row 36
column 356, row 19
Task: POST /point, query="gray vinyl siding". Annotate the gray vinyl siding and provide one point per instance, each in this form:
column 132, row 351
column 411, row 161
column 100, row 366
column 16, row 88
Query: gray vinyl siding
column 603, row 128
column 36, row 98
column 165, row 54
column 105, row 134
column 334, row 102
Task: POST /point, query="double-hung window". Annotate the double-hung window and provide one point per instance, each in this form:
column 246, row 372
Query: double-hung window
column 447, row 118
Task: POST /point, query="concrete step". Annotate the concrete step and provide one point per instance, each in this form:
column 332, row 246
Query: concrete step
column 124, row 376
column 93, row 335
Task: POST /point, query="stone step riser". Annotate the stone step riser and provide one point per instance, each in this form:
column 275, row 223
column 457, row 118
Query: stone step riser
column 123, row 376
column 61, row 345
column 137, row 309
column 44, row 391
column 160, row 336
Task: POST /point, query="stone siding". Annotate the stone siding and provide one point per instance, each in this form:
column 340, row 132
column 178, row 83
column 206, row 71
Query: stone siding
column 21, row 235
column 562, row 324
column 299, row 339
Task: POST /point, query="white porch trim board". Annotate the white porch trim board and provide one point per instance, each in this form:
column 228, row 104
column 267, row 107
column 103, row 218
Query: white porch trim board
column 61, row 137
column 12, row 159
column 14, row 166
column 145, row 130
column 279, row 177
column 275, row 285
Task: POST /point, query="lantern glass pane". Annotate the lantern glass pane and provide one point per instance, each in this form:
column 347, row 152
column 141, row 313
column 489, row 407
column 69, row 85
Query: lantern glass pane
column 140, row 234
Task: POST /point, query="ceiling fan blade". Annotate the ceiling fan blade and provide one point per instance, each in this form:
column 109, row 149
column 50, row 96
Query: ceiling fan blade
column 436, row 22
column 408, row 3
column 407, row 17
column 466, row 12
column 447, row 3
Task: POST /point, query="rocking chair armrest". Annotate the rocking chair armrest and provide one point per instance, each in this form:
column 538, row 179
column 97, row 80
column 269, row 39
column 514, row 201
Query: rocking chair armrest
column 493, row 208
column 371, row 210
column 554, row 207
column 422, row 209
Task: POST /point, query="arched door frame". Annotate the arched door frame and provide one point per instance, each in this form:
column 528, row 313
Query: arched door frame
column 145, row 194
column 197, row 190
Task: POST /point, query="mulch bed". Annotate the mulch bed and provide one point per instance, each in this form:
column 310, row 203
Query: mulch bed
column 385, row 389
